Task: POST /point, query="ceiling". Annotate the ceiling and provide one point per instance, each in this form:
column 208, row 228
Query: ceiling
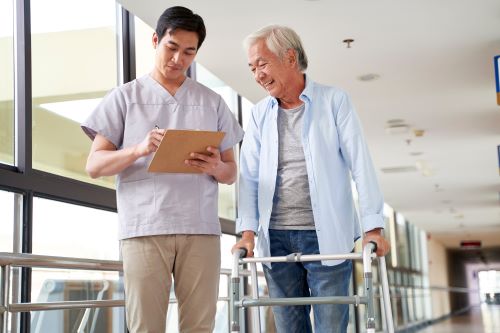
column 434, row 60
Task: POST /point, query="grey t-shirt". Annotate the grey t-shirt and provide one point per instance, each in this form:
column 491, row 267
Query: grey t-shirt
column 291, row 203
column 163, row 203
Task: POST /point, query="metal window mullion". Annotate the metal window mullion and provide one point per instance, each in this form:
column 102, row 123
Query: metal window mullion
column 17, row 248
column 27, row 247
column 126, row 46
column 22, row 88
column 23, row 136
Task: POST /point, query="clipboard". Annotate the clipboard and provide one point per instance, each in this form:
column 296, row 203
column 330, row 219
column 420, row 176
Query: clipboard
column 176, row 146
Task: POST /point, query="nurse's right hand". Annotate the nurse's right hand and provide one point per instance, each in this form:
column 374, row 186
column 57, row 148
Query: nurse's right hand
column 150, row 143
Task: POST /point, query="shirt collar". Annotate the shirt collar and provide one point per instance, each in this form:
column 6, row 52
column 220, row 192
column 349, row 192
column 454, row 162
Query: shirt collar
column 165, row 95
column 305, row 95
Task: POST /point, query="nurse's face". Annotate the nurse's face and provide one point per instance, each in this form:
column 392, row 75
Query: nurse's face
column 175, row 52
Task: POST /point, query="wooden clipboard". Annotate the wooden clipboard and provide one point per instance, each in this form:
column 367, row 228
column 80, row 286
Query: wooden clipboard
column 176, row 146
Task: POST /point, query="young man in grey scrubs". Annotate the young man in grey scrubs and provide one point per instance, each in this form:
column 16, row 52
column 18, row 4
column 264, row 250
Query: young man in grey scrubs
column 168, row 222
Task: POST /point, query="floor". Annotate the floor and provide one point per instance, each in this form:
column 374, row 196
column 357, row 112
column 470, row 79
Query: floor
column 482, row 319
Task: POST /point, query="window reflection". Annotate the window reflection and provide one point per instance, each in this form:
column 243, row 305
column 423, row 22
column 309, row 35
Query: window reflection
column 402, row 241
column 75, row 231
column 144, row 51
column 74, row 64
column 7, row 221
column 227, row 194
column 6, row 83
column 79, row 232
column 246, row 111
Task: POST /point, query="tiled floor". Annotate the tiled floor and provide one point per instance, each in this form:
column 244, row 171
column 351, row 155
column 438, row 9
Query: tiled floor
column 482, row 319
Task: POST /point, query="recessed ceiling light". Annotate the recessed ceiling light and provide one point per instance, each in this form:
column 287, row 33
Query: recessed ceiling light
column 369, row 77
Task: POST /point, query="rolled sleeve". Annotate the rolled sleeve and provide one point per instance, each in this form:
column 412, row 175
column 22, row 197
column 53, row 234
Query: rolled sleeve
column 248, row 213
column 245, row 224
column 357, row 156
column 371, row 222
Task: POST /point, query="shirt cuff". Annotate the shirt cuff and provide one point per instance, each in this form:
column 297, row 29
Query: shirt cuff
column 373, row 221
column 246, row 223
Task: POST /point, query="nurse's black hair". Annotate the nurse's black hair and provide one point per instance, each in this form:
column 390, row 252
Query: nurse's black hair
column 179, row 17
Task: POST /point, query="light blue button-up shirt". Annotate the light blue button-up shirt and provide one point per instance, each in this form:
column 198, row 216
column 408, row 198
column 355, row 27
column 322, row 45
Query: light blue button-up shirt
column 334, row 150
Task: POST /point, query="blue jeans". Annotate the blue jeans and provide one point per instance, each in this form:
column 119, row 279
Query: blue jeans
column 304, row 280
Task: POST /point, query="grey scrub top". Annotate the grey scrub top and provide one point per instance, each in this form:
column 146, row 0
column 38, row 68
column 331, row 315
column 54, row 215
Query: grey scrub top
column 163, row 203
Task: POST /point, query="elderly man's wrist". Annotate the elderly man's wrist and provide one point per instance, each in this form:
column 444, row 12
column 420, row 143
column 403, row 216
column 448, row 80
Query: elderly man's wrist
column 376, row 231
column 248, row 234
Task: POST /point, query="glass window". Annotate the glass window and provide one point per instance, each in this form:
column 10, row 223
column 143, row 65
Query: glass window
column 102, row 320
column 402, row 244
column 81, row 232
column 6, row 83
column 227, row 193
column 389, row 234
column 75, row 231
column 246, row 111
column 7, row 221
column 144, row 51
column 74, row 63
column 416, row 261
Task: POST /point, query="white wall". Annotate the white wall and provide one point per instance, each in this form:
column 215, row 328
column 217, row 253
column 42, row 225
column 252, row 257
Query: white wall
column 438, row 276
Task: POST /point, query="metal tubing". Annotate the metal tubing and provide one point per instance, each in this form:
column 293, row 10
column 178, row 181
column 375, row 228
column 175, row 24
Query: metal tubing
column 234, row 313
column 255, row 295
column 247, row 302
column 367, row 271
column 26, row 307
column 306, row 257
column 368, row 255
column 4, row 298
column 31, row 260
column 385, row 294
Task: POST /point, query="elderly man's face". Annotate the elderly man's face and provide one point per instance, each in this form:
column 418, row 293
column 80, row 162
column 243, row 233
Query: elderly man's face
column 271, row 72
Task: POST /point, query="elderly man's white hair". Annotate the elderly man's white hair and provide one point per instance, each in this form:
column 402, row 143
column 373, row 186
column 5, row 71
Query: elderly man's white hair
column 279, row 39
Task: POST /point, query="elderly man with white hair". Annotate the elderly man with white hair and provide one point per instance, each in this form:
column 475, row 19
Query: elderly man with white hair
column 303, row 145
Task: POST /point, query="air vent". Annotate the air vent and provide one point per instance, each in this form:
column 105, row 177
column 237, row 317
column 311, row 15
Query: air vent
column 399, row 169
column 397, row 128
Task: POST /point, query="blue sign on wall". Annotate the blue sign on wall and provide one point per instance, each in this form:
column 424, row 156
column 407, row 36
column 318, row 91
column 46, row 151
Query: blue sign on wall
column 497, row 76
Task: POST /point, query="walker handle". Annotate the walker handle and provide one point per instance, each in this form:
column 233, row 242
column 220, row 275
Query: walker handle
column 374, row 246
column 242, row 252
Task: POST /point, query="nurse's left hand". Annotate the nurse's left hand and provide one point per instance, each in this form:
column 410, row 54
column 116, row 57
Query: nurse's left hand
column 206, row 163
